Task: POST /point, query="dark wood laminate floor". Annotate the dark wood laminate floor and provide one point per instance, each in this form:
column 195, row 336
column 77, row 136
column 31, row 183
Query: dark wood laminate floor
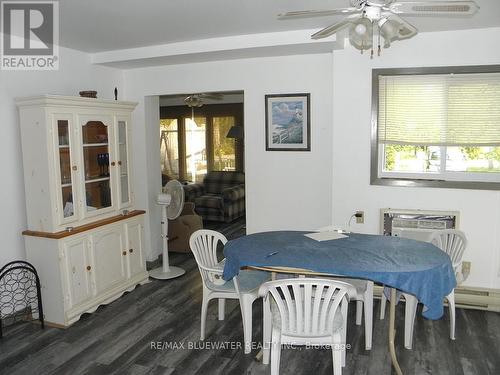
column 120, row 338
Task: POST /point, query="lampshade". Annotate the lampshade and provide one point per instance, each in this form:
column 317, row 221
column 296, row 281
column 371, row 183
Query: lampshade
column 389, row 30
column 235, row 132
column 361, row 34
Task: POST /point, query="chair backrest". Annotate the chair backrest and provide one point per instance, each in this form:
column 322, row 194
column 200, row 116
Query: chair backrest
column 203, row 244
column 216, row 181
column 307, row 306
column 453, row 242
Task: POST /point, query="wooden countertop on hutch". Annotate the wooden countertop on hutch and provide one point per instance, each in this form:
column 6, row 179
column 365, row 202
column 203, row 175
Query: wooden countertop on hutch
column 83, row 228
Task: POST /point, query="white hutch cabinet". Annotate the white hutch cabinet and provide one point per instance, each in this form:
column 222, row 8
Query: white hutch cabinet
column 84, row 236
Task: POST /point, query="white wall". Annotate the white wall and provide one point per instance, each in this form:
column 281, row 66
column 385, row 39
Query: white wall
column 283, row 189
column 75, row 74
column 480, row 210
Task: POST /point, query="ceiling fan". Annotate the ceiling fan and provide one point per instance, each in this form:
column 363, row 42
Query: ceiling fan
column 196, row 100
column 370, row 19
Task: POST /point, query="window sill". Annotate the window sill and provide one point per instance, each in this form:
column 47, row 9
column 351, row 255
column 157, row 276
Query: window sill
column 409, row 182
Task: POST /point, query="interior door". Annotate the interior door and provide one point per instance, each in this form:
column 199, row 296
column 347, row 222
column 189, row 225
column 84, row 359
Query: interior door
column 108, row 252
column 79, row 271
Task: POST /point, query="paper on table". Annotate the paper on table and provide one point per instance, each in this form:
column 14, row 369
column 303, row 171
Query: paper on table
column 325, row 236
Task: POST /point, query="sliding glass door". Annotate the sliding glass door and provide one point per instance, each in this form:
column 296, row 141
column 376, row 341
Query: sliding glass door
column 223, row 152
column 193, row 145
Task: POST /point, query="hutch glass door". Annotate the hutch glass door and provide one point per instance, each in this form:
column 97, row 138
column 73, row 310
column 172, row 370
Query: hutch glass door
column 65, row 168
column 123, row 163
column 96, row 160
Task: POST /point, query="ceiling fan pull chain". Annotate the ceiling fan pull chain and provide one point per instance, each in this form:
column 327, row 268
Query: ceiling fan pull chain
column 373, row 37
column 379, row 50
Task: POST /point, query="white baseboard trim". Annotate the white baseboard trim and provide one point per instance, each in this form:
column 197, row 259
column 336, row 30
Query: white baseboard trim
column 468, row 298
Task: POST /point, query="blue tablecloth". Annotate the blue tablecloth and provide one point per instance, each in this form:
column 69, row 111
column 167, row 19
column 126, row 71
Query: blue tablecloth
column 414, row 267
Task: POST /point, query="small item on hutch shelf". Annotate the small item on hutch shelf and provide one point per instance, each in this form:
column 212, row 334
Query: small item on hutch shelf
column 69, row 229
column 125, row 212
column 88, row 94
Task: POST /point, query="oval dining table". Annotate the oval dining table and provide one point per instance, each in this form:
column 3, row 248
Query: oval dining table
column 410, row 266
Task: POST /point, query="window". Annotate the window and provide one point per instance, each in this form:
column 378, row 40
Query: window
column 191, row 148
column 436, row 127
column 169, row 141
column 224, row 148
column 196, row 150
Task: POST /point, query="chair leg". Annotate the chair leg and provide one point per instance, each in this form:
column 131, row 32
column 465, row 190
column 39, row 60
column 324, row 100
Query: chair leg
column 451, row 305
column 275, row 352
column 368, row 306
column 222, row 308
column 246, row 314
column 266, row 332
column 359, row 312
column 343, row 338
column 337, row 355
column 204, row 309
column 410, row 312
column 383, row 301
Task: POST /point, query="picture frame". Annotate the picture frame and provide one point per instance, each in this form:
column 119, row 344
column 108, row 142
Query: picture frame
column 288, row 122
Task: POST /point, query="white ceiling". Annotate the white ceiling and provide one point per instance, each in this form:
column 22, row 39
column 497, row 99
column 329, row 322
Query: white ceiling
column 104, row 25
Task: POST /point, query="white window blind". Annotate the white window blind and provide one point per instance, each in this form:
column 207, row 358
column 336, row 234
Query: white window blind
column 440, row 109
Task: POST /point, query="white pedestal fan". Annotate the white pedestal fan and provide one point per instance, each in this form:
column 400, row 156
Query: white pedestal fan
column 172, row 202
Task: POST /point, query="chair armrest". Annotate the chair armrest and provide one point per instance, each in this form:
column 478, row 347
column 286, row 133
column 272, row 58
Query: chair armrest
column 193, row 191
column 193, row 222
column 214, row 273
column 233, row 193
column 188, row 209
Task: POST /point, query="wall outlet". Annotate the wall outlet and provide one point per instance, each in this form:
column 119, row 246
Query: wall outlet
column 360, row 217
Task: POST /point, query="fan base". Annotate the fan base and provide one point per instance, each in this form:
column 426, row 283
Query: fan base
column 173, row 272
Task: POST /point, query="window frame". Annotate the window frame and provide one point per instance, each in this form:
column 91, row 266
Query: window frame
column 419, row 179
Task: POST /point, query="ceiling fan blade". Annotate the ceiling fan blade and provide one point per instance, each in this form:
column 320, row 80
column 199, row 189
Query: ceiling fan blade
column 212, row 95
column 332, row 29
column 317, row 13
column 435, row 8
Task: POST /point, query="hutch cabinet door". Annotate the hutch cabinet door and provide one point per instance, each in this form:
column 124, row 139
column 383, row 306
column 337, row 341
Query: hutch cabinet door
column 65, row 168
column 97, row 158
column 123, row 170
column 109, row 255
column 79, row 271
column 135, row 257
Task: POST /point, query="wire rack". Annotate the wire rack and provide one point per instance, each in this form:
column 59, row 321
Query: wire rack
column 20, row 297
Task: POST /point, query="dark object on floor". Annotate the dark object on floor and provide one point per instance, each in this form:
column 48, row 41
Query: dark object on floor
column 180, row 229
column 20, row 297
column 221, row 196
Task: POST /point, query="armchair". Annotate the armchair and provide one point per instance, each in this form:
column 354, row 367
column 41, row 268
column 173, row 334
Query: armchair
column 221, row 196
column 181, row 228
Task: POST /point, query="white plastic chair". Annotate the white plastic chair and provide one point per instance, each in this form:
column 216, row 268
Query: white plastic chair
column 305, row 311
column 453, row 242
column 363, row 298
column 245, row 287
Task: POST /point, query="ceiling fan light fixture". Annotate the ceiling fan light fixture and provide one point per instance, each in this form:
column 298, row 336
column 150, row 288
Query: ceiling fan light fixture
column 193, row 101
column 389, row 31
column 361, row 34
column 386, row 16
column 360, row 29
